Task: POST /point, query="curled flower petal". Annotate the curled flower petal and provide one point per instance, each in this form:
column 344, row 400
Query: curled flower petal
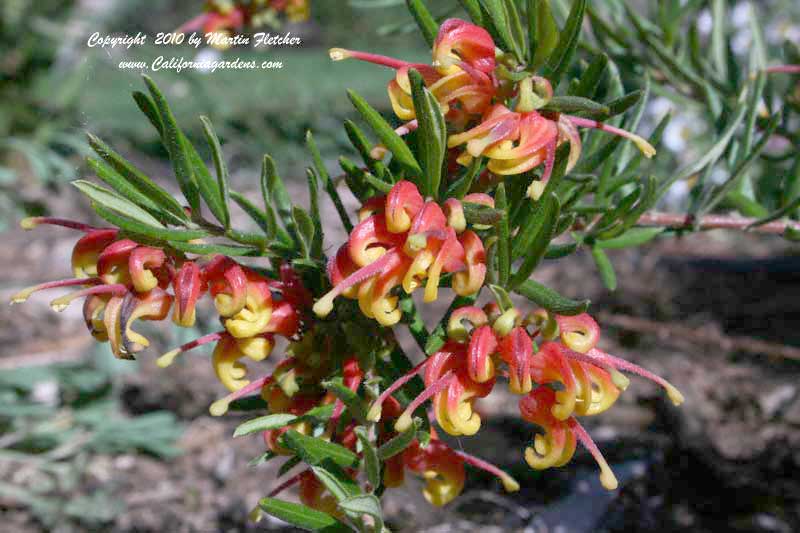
column 141, row 262
column 188, row 285
column 459, row 40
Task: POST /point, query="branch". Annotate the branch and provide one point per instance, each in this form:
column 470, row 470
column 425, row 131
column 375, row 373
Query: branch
column 681, row 221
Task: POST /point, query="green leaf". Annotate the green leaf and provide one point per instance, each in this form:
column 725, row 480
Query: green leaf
column 459, row 188
column 210, row 249
column 364, row 147
column 427, row 24
column 536, row 236
column 393, row 142
column 557, row 251
column 561, row 58
column 623, row 103
column 316, row 217
column 350, row 399
column 129, row 192
column 223, row 187
column 473, row 8
column 605, row 268
column 264, row 423
column 148, row 107
column 137, row 178
column 258, row 216
column 268, row 177
column 305, row 229
column 327, row 182
column 399, row 443
column 431, row 134
column 336, row 480
column 365, row 504
column 301, row 516
column 551, row 300
column 632, row 237
column 371, row 464
column 288, row 465
column 577, row 105
column 502, row 297
column 542, row 30
column 500, row 20
column 481, row 214
column 173, row 140
column 314, row 451
column 591, row 78
column 139, row 228
column 114, row 202
column 503, row 236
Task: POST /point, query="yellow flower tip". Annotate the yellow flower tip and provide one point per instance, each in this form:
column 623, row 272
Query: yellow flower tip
column 509, row 483
column 255, row 515
column 168, row 358
column 339, row 54
column 645, row 147
column 29, row 223
column 59, row 304
column 608, row 479
column 374, row 413
column 219, row 408
column 535, row 190
column 506, row 322
column 323, row 307
column 21, row 296
column 674, row 394
column 619, row 379
column 403, row 423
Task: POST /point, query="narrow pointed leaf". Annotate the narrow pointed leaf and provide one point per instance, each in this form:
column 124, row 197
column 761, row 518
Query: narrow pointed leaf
column 561, row 58
column 542, row 31
column 605, row 268
column 350, row 399
column 371, row 464
column 135, row 226
column 137, row 178
column 174, row 142
column 327, row 182
column 550, row 299
column 578, row 105
column 431, row 134
column 503, row 236
column 305, row 229
column 264, row 423
column 365, row 504
column 117, row 203
column 539, row 234
column 393, row 142
column 632, row 237
column 302, row 516
column 223, row 187
column 399, row 443
column 427, row 24
column 314, row 451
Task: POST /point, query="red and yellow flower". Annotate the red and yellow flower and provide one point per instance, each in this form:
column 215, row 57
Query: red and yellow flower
column 403, row 241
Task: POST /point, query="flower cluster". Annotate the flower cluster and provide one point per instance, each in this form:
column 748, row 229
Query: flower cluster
column 230, row 16
column 402, row 240
column 125, row 281
column 562, row 377
column 476, row 102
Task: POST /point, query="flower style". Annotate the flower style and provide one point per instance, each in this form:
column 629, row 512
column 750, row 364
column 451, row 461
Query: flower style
column 561, row 378
column 402, row 241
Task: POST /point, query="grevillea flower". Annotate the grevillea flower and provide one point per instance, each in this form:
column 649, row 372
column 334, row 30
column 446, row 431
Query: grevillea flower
column 520, row 140
column 561, row 378
column 249, row 313
column 461, row 78
column 122, row 282
column 402, row 241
